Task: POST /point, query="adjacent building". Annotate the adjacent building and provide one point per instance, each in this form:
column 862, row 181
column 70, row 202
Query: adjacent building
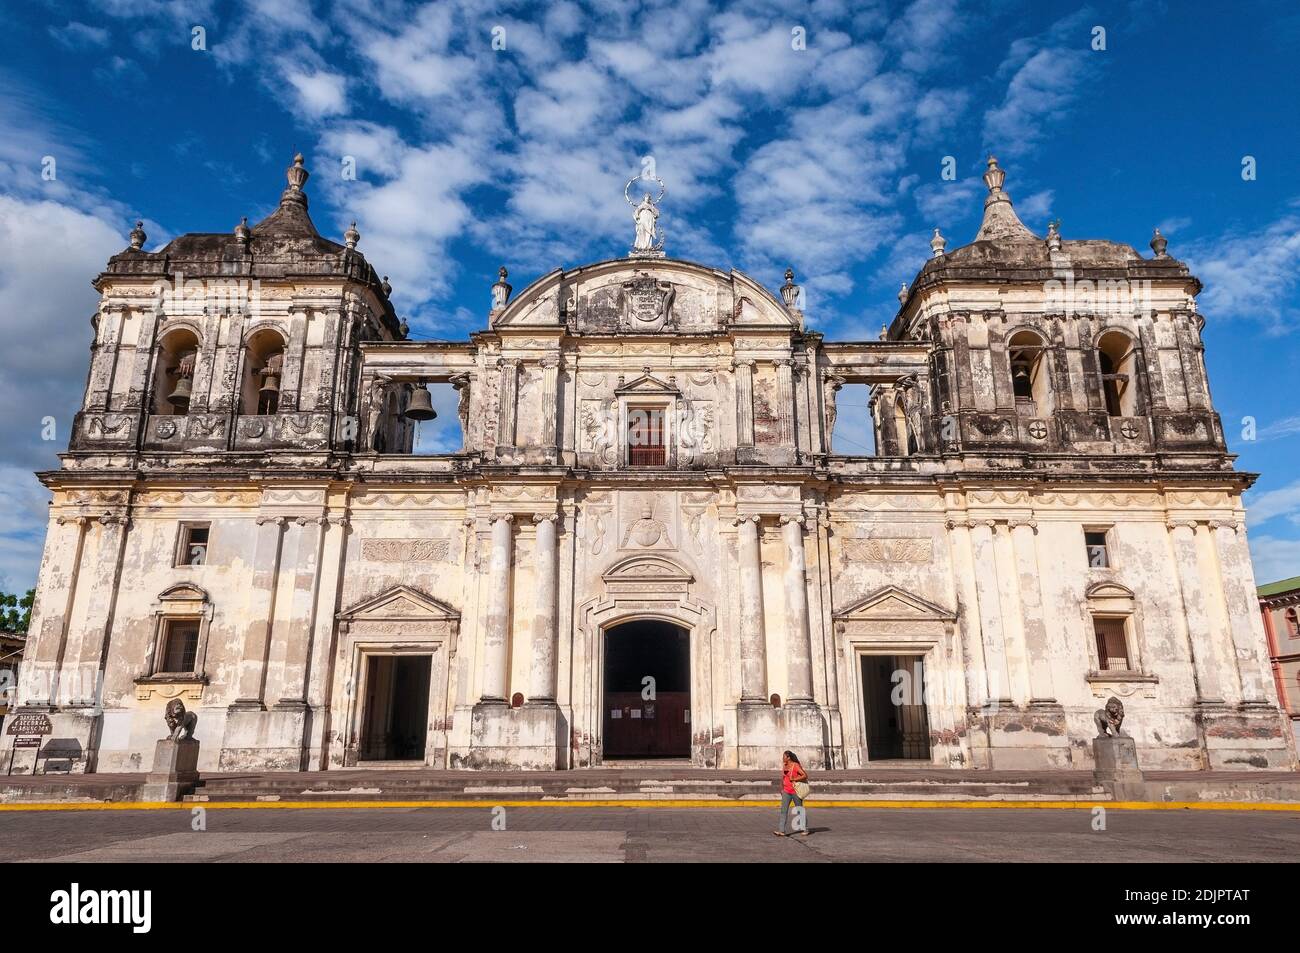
column 1279, row 604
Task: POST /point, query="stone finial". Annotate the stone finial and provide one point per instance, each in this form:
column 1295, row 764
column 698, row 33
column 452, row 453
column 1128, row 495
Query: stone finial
column 138, row 236
column 297, row 175
column 937, row 244
column 500, row 290
column 884, row 332
column 994, row 176
column 242, row 232
column 351, row 237
column 789, row 290
column 388, row 289
column 404, row 329
column 1054, row 235
column 1000, row 219
column 1158, row 244
column 902, row 293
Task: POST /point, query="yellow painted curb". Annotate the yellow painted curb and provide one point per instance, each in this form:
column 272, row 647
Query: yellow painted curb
column 656, row 803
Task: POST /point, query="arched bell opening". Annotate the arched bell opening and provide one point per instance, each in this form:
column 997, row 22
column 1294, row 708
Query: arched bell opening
column 174, row 372
column 264, row 372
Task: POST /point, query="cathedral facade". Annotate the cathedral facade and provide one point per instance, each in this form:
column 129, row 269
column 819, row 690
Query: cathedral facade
column 650, row 544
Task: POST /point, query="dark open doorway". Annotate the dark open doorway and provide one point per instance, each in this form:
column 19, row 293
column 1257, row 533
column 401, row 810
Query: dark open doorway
column 396, row 717
column 647, row 709
column 898, row 725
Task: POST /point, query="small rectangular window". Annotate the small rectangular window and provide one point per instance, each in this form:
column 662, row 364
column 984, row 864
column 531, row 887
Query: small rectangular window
column 1112, row 644
column 193, row 548
column 646, row 445
column 1098, row 552
column 180, row 645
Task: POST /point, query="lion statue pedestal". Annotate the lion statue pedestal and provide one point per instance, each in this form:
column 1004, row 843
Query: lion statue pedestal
column 1115, row 755
column 175, row 758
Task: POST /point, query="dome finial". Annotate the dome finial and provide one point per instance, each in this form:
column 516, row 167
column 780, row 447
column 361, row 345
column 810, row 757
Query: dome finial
column 1159, row 243
column 994, row 176
column 500, row 290
column 297, row 175
column 138, row 237
column 1054, row 235
column 789, row 290
column 937, row 244
column 1000, row 220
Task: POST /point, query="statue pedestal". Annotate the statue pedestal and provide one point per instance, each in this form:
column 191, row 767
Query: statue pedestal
column 175, row 770
column 1117, row 768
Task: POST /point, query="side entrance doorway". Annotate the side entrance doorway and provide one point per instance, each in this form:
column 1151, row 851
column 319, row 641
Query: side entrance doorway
column 647, row 698
column 893, row 701
column 395, row 720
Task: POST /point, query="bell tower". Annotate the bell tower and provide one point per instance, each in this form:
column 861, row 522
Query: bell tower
column 244, row 341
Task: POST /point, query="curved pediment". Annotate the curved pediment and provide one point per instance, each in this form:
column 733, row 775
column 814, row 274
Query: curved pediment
column 400, row 602
column 183, row 592
column 645, row 295
column 894, row 603
column 647, row 569
column 1108, row 590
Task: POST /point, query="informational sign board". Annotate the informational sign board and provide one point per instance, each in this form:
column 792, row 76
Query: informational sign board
column 28, row 724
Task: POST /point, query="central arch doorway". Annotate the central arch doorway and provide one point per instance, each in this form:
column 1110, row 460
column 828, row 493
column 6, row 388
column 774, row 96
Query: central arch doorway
column 647, row 698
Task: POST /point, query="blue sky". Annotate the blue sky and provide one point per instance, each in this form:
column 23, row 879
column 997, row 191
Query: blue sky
column 826, row 158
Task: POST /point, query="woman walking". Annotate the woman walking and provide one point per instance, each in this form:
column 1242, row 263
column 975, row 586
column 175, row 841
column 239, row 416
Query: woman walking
column 794, row 787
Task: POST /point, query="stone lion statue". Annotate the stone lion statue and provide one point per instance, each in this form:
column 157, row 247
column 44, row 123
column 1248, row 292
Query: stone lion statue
column 180, row 723
column 1109, row 719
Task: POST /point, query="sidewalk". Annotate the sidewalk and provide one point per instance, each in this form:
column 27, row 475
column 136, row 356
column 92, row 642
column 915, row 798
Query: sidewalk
column 668, row 784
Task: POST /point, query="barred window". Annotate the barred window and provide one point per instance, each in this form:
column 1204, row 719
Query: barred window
column 180, row 645
column 1112, row 644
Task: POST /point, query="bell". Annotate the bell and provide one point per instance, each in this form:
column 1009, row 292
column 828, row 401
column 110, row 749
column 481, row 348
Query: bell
column 270, row 383
column 421, row 405
column 180, row 397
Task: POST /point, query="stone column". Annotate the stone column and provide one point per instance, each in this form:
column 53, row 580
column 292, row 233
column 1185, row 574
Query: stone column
column 294, row 355
column 103, row 360
column 785, row 401
column 1182, row 536
column 496, row 631
column 798, row 633
column 830, row 387
column 507, row 400
column 744, row 404
column 541, row 688
column 991, row 622
column 1242, row 605
column 141, row 386
column 978, row 689
column 753, row 645
column 292, row 650
column 101, row 604
column 1038, row 647
column 550, row 391
column 57, row 581
column 260, row 612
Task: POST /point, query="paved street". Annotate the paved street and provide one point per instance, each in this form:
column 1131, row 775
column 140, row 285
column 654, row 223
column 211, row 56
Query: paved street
column 646, row 834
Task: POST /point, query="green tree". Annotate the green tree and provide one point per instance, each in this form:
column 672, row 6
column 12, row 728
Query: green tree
column 16, row 611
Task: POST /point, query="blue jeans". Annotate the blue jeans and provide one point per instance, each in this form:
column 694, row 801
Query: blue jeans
column 786, row 798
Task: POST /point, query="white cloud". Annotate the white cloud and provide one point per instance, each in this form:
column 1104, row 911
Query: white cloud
column 1274, row 558
column 1251, row 274
column 80, row 36
column 320, row 93
column 1284, row 501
